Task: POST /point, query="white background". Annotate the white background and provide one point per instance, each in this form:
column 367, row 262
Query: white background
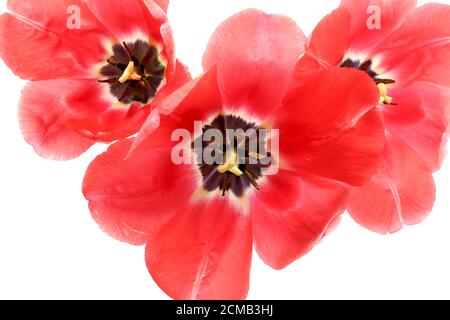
column 51, row 248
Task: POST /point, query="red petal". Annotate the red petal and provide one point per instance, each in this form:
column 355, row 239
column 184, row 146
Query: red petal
column 137, row 196
column 110, row 125
column 419, row 118
column 290, row 215
column 328, row 100
column 124, row 18
column 164, row 4
column 420, row 49
column 402, row 192
column 350, row 156
column 87, row 110
column 158, row 17
column 197, row 100
column 255, row 54
column 392, row 14
column 42, row 120
column 204, row 253
column 132, row 198
column 319, row 138
column 36, row 53
column 181, row 76
column 329, row 40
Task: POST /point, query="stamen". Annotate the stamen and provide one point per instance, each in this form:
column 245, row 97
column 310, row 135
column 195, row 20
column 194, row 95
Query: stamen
column 112, row 62
column 149, row 86
column 366, row 66
column 130, row 73
column 112, row 80
column 385, row 81
column 125, row 93
column 128, row 49
column 252, row 180
column 227, row 185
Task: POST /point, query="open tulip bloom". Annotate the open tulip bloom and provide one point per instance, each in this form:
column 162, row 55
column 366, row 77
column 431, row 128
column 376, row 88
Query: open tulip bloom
column 266, row 149
column 406, row 51
column 94, row 76
column 200, row 219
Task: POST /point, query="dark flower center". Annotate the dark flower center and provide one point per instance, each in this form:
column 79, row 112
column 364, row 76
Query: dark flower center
column 366, row 66
column 238, row 158
column 134, row 72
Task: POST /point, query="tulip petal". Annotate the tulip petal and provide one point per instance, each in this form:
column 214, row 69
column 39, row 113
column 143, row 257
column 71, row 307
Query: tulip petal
column 131, row 196
column 402, row 192
column 164, row 4
column 254, row 53
column 328, row 100
column 291, row 214
column 420, row 49
column 419, row 118
column 203, row 253
column 43, row 113
column 325, row 118
column 374, row 20
column 37, row 54
column 125, row 18
column 134, row 197
column 327, row 47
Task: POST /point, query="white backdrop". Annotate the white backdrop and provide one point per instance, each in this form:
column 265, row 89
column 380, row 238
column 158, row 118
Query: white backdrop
column 51, row 248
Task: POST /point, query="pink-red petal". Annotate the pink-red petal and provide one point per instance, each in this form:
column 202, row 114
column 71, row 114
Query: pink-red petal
column 37, row 54
column 42, row 120
column 329, row 40
column 324, row 118
column 127, row 18
column 291, row 214
column 419, row 118
column 401, row 192
column 164, row 4
column 88, row 110
column 131, row 196
column 364, row 32
column 254, row 53
column 197, row 100
column 329, row 100
column 147, row 187
column 420, row 49
column 203, row 253
column 350, row 156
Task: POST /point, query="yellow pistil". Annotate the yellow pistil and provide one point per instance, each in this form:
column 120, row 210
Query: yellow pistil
column 231, row 164
column 384, row 97
column 130, row 73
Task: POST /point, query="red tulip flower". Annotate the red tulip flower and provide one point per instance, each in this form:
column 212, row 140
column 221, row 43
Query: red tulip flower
column 96, row 67
column 406, row 52
column 199, row 221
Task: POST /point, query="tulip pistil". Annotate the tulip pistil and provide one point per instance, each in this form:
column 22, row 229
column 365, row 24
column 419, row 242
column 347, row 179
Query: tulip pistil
column 130, row 73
